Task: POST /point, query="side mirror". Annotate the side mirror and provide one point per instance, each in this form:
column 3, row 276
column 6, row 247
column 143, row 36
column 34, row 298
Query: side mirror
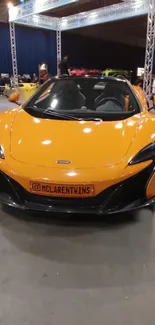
column 14, row 98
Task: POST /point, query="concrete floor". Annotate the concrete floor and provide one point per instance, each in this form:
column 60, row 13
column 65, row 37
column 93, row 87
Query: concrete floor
column 5, row 104
column 77, row 270
column 60, row 271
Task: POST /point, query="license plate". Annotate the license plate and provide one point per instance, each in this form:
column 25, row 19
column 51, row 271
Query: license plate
column 61, row 190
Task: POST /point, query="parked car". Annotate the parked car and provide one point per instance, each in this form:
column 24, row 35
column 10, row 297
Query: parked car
column 79, row 145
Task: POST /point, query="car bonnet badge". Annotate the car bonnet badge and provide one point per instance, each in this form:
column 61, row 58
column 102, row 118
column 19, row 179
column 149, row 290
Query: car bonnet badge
column 63, row 162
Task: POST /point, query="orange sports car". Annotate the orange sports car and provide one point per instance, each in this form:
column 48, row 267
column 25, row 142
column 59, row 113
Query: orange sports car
column 79, row 145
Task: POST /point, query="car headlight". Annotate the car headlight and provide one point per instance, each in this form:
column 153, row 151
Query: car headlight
column 2, row 152
column 147, row 153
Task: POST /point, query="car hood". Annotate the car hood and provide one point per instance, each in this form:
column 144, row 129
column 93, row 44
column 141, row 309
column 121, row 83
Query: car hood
column 44, row 142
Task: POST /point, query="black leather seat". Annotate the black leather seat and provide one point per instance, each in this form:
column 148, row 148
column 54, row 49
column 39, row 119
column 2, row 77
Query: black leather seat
column 104, row 101
column 69, row 97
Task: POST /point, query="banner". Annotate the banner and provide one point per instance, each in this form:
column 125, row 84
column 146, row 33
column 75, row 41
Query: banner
column 35, row 7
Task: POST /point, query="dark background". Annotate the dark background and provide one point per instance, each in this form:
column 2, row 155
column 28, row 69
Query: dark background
column 35, row 46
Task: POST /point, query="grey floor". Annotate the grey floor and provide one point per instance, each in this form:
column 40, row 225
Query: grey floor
column 5, row 104
column 60, row 271
column 77, row 271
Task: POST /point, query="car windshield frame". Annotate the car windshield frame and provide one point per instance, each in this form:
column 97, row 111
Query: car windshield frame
column 31, row 109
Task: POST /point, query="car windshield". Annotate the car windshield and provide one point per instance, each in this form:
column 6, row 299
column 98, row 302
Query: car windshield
column 83, row 98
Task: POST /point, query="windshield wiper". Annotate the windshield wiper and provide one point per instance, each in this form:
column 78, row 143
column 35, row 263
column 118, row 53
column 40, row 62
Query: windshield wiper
column 61, row 115
column 53, row 113
column 93, row 119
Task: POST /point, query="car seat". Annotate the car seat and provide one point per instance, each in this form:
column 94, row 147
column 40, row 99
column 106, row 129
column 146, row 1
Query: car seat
column 69, row 96
column 119, row 103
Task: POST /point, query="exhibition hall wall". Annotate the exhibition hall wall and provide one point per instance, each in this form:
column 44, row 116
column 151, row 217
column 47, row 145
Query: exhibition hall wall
column 35, row 46
column 92, row 53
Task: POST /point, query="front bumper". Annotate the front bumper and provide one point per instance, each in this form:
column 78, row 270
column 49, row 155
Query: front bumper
column 30, row 206
column 125, row 196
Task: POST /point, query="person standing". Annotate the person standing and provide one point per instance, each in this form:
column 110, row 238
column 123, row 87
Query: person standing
column 64, row 67
column 35, row 79
column 139, row 82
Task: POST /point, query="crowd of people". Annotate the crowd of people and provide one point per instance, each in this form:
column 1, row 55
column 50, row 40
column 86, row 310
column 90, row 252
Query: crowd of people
column 6, row 80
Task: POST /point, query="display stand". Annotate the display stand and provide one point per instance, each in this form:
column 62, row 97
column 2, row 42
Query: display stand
column 29, row 14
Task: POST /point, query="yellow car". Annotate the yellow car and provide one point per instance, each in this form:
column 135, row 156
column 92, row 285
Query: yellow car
column 79, row 145
column 117, row 73
column 25, row 90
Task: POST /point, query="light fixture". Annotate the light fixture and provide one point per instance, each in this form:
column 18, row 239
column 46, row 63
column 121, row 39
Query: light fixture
column 93, row 15
column 10, row 5
column 64, row 21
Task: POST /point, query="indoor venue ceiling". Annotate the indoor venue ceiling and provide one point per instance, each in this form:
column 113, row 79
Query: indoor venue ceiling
column 3, row 3
column 14, row 2
column 4, row 9
column 81, row 6
column 128, row 31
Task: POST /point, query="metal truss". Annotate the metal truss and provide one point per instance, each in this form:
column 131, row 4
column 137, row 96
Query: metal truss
column 58, row 36
column 39, row 21
column 118, row 11
column 13, row 54
column 34, row 7
column 115, row 12
column 3, row 17
column 127, row 9
column 149, row 54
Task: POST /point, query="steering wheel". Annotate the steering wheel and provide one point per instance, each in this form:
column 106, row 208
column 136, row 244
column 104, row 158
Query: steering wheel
column 113, row 99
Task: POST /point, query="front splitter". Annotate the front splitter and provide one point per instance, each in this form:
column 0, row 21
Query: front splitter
column 30, row 206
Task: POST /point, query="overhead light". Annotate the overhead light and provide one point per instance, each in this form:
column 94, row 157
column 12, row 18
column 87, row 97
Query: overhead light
column 10, row 5
column 93, row 14
column 64, row 21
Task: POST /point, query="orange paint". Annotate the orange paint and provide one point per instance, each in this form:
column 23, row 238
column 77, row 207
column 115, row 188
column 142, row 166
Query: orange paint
column 98, row 152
